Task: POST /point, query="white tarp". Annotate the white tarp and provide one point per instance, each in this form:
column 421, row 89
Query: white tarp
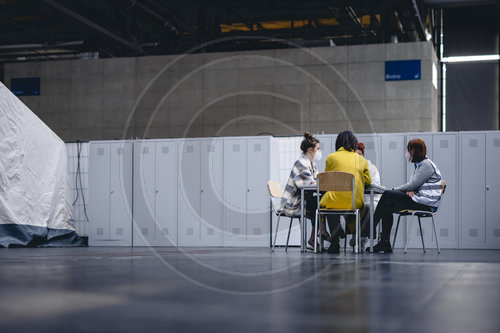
column 35, row 202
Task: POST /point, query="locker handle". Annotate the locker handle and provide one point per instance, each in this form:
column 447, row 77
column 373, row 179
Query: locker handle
column 112, row 192
column 487, row 188
column 156, row 191
column 201, row 190
column 248, row 190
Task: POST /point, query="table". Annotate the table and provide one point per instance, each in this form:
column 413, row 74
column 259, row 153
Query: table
column 372, row 190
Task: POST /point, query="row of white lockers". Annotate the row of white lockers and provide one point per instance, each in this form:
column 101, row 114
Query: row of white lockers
column 212, row 191
column 470, row 165
column 190, row 192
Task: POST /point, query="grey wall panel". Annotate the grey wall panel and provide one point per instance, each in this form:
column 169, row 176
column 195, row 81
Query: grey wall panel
column 144, row 192
column 235, row 188
column 258, row 160
column 99, row 185
column 166, row 191
column 212, row 195
column 189, row 193
column 492, row 189
column 473, row 186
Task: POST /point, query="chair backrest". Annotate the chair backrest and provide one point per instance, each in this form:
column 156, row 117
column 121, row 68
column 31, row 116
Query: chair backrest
column 443, row 189
column 337, row 181
column 274, row 188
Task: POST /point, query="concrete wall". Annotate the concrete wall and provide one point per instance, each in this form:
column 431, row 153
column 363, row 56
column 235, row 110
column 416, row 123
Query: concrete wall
column 279, row 92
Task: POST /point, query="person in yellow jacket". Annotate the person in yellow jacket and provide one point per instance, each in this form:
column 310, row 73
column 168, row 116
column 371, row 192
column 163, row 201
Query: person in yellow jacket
column 346, row 160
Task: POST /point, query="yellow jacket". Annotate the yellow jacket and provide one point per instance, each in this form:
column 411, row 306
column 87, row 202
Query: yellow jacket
column 347, row 161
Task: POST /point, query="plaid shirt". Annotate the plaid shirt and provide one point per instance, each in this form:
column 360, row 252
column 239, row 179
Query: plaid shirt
column 302, row 174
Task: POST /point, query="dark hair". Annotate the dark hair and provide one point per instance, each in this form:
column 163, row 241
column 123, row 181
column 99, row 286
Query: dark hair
column 361, row 146
column 420, row 150
column 346, row 139
column 308, row 142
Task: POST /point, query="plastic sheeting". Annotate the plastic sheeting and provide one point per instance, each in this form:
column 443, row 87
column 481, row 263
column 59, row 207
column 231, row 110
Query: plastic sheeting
column 35, row 202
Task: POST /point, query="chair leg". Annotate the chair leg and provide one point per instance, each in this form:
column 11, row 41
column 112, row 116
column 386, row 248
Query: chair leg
column 316, row 232
column 421, row 235
column 408, row 236
column 358, row 232
column 435, row 234
column 396, row 232
column 276, row 233
column 288, row 237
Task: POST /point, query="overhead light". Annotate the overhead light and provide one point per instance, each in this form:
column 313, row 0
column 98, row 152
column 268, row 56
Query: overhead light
column 491, row 57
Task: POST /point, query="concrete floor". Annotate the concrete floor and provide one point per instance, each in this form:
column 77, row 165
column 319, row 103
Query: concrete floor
column 247, row 290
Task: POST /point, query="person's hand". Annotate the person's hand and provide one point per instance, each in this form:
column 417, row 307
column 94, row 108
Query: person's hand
column 410, row 194
column 313, row 182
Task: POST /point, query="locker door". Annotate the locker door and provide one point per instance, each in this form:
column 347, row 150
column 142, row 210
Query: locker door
column 166, row 193
column 492, row 188
column 235, row 191
column 393, row 170
column 472, row 203
column 426, row 224
column 445, row 155
column 144, row 193
column 189, row 193
column 211, row 192
column 99, row 187
column 121, row 193
column 257, row 194
column 327, row 147
column 373, row 149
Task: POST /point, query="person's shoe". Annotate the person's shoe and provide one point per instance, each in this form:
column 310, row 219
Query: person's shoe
column 382, row 246
column 334, row 249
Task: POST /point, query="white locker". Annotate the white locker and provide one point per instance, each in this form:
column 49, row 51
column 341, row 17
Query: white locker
column 212, row 194
column 445, row 155
column 327, row 146
column 472, row 191
column 144, row 193
column 415, row 241
column 492, row 189
column 99, row 184
column 155, row 193
column 373, row 148
column 166, row 193
column 235, row 191
column 393, row 171
column 257, row 195
column 189, row 193
column 110, row 194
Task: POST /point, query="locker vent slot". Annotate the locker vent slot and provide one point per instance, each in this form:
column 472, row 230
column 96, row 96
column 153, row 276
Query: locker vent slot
column 164, row 150
column 145, row 231
column 100, row 231
column 472, row 232
column 145, row 150
column 443, row 232
column 190, row 231
column 100, row 151
column 496, row 143
column 256, row 231
column 393, row 145
column 236, row 148
column 370, row 145
column 473, row 143
column 210, row 148
column 119, row 151
column 443, row 144
column 119, row 231
column 210, row 231
column 257, row 147
column 190, row 149
column 496, row 232
column 236, row 231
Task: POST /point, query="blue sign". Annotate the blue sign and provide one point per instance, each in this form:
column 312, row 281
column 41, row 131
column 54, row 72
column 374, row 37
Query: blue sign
column 27, row 86
column 399, row 70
